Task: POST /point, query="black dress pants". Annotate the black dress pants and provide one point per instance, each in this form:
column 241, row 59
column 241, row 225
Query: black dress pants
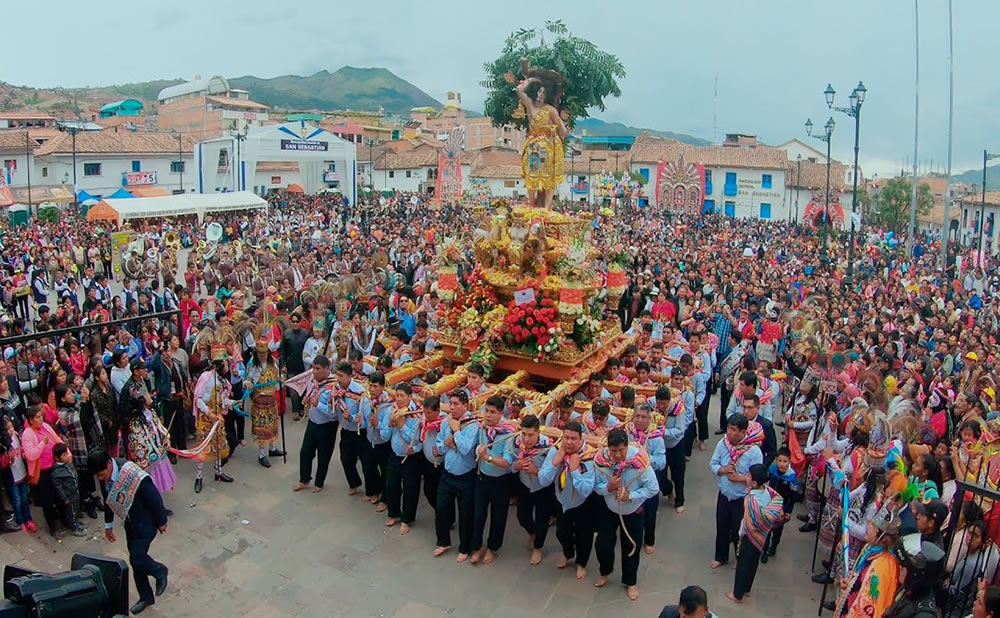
column 611, row 533
column 431, row 476
column 747, row 561
column 649, row 510
column 143, row 566
column 492, row 497
column 728, row 516
column 452, row 488
column 402, row 487
column 319, row 439
column 352, row 447
column 375, row 468
column 673, row 475
column 534, row 510
column 575, row 530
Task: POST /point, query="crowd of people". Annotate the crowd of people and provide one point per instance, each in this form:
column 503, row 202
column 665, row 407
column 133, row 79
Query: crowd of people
column 864, row 390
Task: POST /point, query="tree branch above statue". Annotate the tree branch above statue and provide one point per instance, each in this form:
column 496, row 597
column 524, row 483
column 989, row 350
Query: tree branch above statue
column 575, row 74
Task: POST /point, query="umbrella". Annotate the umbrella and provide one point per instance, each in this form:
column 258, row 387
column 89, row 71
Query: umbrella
column 295, row 188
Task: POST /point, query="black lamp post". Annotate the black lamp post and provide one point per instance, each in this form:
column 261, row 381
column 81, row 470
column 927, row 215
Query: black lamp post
column 853, row 110
column 824, row 137
column 982, row 210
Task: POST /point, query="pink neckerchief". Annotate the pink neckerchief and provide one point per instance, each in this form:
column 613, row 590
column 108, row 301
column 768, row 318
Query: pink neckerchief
column 427, row 426
column 500, row 429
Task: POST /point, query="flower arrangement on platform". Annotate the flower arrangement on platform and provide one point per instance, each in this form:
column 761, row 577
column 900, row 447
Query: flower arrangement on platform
column 533, row 327
column 586, row 329
column 486, row 357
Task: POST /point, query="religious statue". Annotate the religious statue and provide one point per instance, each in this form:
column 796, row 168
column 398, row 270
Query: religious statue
column 542, row 159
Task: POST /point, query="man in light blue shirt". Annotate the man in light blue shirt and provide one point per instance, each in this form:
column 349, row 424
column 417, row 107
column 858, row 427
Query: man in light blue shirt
column 378, row 459
column 642, row 433
column 734, row 478
column 492, row 496
column 675, row 427
column 402, row 478
column 626, row 480
column 321, row 429
column 457, row 440
column 534, row 500
column 573, row 482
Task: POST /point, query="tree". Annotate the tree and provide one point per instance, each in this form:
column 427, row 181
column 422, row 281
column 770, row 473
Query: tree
column 892, row 204
column 590, row 75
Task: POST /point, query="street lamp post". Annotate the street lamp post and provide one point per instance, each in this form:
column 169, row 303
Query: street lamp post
column 856, row 99
column 180, row 160
column 76, row 191
column 590, row 179
column 27, row 165
column 240, row 137
column 824, row 137
column 798, row 180
column 982, row 210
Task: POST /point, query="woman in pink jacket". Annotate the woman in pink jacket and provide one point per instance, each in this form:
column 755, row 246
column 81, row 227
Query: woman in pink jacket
column 37, row 442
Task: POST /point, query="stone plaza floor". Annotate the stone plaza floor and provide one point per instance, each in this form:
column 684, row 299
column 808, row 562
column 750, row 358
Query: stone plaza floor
column 255, row 549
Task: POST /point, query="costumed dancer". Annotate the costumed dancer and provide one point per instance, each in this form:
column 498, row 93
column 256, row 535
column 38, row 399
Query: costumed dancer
column 262, row 384
column 626, row 480
column 573, row 481
column 534, row 501
column 211, row 401
column 146, row 439
column 871, row 586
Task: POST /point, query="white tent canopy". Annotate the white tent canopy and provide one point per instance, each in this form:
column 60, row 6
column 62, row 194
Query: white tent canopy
column 184, row 204
column 276, row 156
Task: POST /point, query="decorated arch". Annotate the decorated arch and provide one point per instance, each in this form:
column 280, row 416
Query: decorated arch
column 680, row 186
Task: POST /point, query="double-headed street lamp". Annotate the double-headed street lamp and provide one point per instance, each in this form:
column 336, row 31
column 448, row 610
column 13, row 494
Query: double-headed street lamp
column 856, row 99
column 824, row 137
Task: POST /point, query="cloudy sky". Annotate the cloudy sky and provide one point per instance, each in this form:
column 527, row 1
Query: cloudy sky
column 772, row 58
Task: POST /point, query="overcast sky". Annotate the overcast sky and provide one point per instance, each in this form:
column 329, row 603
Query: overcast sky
column 772, row 58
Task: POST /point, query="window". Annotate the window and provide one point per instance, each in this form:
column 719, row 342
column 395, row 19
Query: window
column 331, row 167
column 176, row 167
column 644, row 172
column 730, row 188
column 709, row 206
column 765, row 181
column 136, row 166
column 509, row 184
column 10, row 164
column 765, row 210
column 45, row 172
column 708, row 183
column 91, row 169
column 408, row 173
column 730, row 209
column 224, row 157
column 392, row 174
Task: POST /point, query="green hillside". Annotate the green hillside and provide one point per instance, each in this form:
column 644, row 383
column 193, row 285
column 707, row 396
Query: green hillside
column 599, row 128
column 347, row 88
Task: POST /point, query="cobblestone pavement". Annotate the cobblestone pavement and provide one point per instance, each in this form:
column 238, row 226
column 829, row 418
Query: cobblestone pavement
column 255, row 549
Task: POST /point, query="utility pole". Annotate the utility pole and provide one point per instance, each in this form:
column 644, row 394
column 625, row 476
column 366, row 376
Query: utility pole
column 912, row 230
column 76, row 191
column 27, row 164
column 946, row 224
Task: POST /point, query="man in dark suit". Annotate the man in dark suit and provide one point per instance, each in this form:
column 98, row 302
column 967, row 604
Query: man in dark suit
column 769, row 448
column 130, row 493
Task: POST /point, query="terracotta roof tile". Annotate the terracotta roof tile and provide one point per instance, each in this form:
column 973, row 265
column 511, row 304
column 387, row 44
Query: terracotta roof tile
column 420, row 156
column 14, row 141
column 493, row 163
column 649, row 148
column 814, row 175
column 596, row 161
column 110, row 142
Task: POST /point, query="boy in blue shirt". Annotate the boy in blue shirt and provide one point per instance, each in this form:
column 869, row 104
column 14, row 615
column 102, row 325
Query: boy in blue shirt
column 457, row 441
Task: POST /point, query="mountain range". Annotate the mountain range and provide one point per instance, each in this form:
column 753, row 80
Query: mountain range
column 975, row 177
column 352, row 88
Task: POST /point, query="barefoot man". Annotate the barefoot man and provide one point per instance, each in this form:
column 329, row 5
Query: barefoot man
column 626, row 480
column 573, row 482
